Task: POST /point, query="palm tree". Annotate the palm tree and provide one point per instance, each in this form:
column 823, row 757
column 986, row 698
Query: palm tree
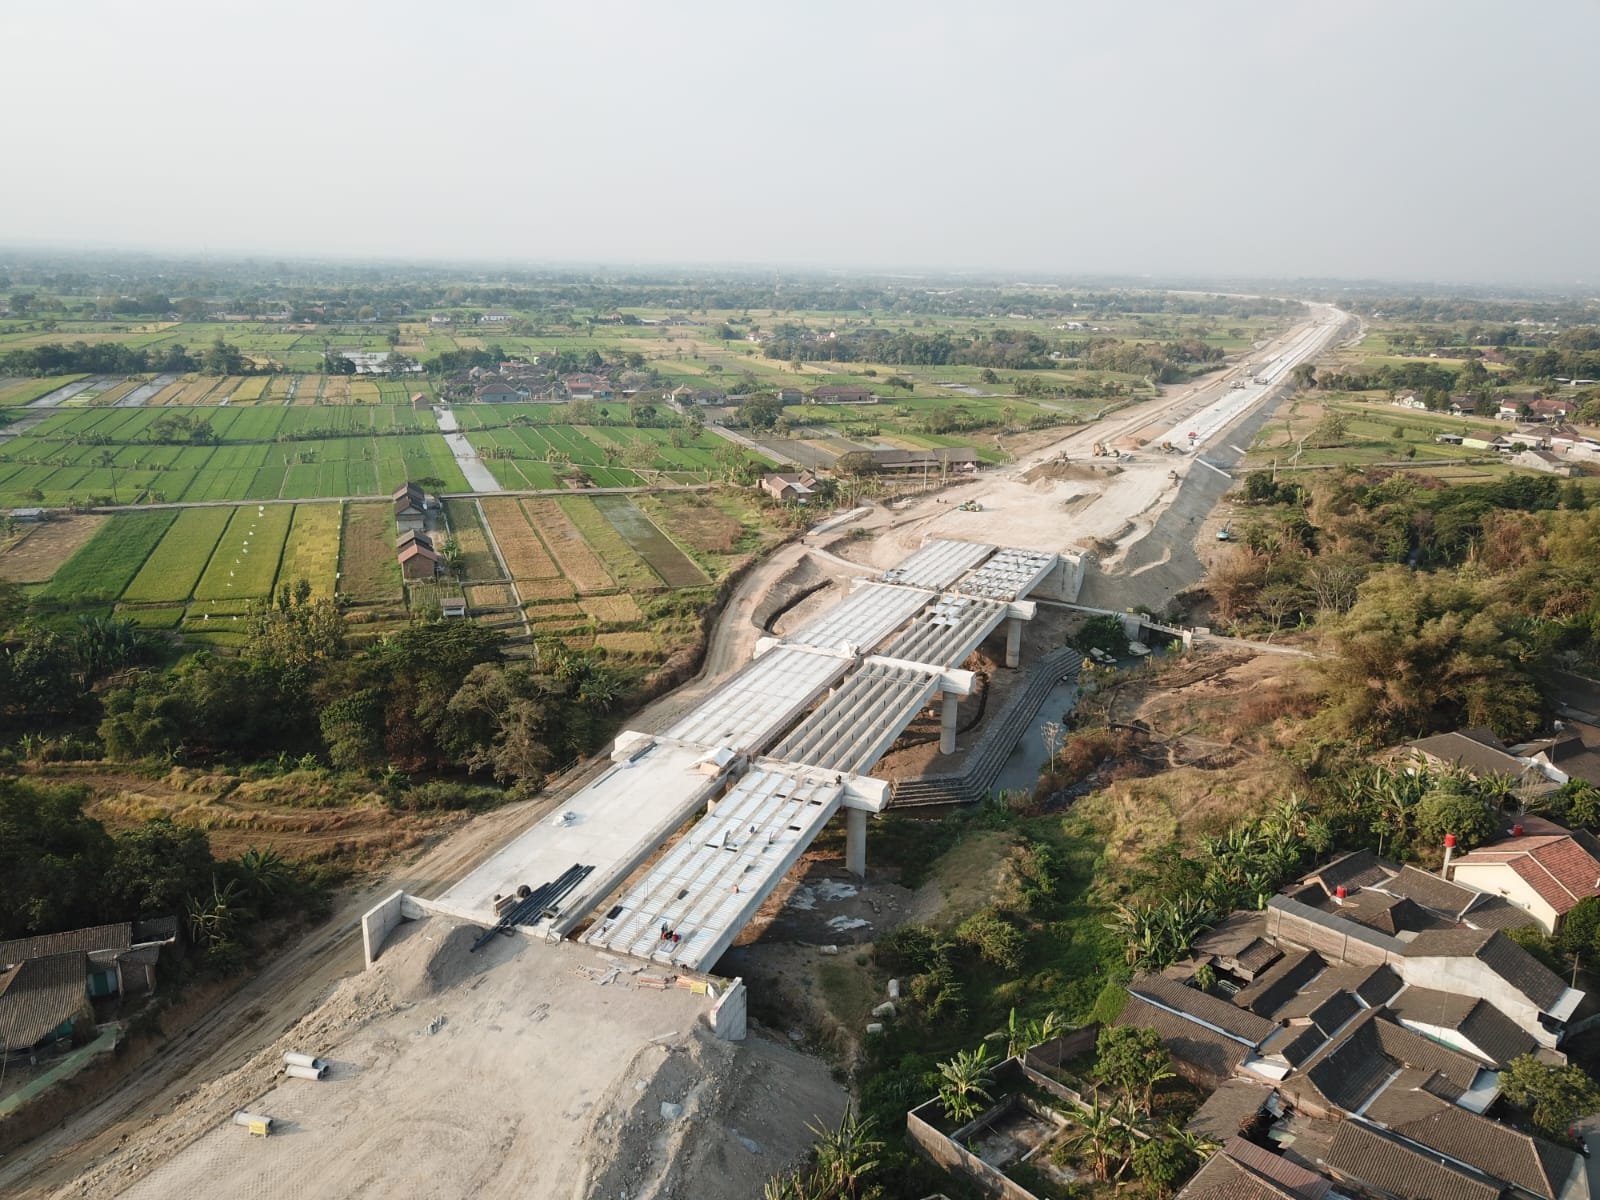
column 967, row 1079
column 1020, row 1035
column 264, row 872
column 213, row 919
column 1201, row 1148
column 1097, row 1134
column 846, row 1155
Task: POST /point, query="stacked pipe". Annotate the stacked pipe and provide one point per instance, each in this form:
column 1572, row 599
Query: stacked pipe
column 304, row 1066
column 536, row 903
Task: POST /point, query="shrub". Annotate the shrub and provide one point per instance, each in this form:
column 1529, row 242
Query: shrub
column 996, row 940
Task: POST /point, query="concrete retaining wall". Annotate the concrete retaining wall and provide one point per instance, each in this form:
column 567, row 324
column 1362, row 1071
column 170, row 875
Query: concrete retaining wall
column 378, row 922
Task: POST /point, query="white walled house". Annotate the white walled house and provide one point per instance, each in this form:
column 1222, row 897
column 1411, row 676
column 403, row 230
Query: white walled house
column 1541, row 868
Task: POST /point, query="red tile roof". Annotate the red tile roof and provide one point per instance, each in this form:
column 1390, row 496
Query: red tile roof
column 1554, row 865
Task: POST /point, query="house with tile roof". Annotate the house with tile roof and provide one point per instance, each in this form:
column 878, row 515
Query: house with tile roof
column 1374, row 1163
column 1242, row 1170
column 419, row 561
column 1528, row 1166
column 119, row 959
column 1478, row 753
column 1541, row 868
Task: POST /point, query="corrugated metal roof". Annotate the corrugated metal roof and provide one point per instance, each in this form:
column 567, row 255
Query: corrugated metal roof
column 38, row 995
column 95, row 937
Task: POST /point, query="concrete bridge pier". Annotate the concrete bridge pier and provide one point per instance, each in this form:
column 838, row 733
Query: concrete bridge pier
column 1013, row 641
column 855, row 842
column 947, row 725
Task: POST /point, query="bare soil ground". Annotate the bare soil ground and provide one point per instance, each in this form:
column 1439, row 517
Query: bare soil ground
column 34, row 555
column 508, row 1073
column 301, row 815
column 1212, row 720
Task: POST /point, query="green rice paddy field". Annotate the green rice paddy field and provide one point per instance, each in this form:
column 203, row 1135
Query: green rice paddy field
column 167, row 454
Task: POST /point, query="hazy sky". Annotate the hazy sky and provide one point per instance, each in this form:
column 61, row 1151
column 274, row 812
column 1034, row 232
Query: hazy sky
column 1375, row 138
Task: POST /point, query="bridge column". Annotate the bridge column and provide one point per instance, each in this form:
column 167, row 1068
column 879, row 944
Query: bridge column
column 855, row 842
column 947, row 725
column 1013, row 641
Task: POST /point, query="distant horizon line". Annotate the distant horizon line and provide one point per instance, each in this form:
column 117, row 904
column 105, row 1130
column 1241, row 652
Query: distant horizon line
column 997, row 277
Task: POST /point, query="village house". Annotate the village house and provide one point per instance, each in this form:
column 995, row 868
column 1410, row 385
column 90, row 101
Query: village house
column 420, row 401
column 1354, row 1033
column 586, row 386
column 791, row 395
column 843, row 394
column 1572, row 752
column 418, row 561
column 497, row 391
column 957, row 459
column 1541, row 867
column 1542, row 460
column 411, row 506
column 789, row 486
column 1479, row 754
column 1550, row 409
column 47, row 982
column 1410, row 400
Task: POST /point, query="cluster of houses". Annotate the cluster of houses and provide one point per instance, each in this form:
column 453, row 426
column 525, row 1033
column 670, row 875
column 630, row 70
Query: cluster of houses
column 1350, row 1037
column 414, row 547
column 1542, row 441
column 527, row 383
column 516, row 382
column 1548, row 409
column 49, row 984
column 1352, row 1034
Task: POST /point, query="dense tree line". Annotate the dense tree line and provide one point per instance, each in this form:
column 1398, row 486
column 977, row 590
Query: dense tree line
column 435, row 698
column 1004, row 349
column 1439, row 605
column 109, row 358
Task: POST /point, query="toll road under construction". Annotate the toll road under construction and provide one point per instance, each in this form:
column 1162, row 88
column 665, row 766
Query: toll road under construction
column 768, row 758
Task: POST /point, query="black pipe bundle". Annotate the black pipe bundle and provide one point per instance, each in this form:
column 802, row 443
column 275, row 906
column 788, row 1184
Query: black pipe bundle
column 536, row 903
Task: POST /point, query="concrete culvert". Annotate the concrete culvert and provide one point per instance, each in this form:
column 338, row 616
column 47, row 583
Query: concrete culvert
column 299, row 1072
column 294, row 1059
